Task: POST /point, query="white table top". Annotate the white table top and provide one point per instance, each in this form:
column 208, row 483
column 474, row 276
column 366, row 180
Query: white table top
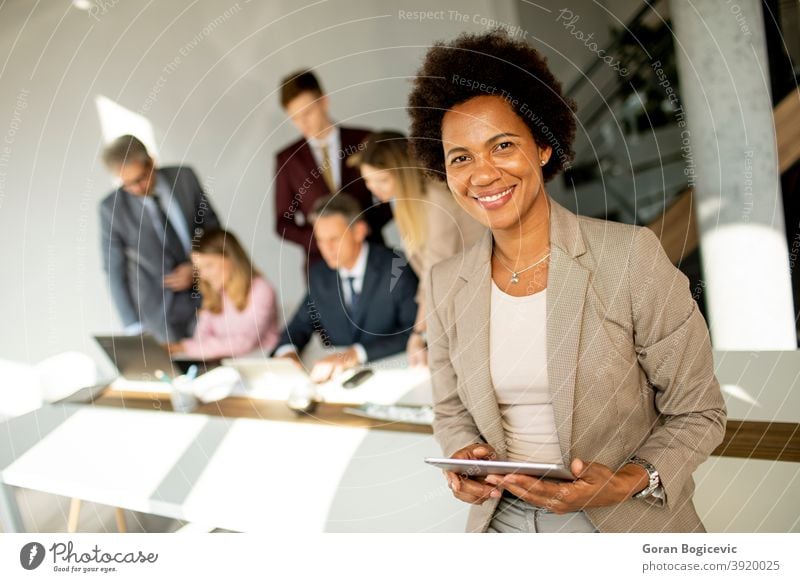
column 393, row 382
column 760, row 386
column 239, row 474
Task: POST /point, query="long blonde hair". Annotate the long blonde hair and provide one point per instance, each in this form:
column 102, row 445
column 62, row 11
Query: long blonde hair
column 389, row 150
column 221, row 242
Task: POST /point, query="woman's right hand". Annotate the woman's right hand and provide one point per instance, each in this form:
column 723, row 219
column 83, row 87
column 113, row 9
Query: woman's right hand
column 468, row 489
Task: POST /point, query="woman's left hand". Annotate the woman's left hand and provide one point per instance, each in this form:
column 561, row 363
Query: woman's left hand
column 595, row 485
column 417, row 351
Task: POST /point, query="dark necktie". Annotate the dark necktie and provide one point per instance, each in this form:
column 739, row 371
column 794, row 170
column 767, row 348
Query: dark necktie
column 172, row 242
column 353, row 295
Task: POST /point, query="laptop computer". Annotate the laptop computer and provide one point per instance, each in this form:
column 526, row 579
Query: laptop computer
column 270, row 378
column 137, row 357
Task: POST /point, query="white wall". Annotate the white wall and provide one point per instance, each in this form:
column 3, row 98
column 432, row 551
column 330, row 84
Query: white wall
column 215, row 108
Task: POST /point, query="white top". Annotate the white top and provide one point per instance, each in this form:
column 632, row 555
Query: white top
column 357, row 273
column 518, row 365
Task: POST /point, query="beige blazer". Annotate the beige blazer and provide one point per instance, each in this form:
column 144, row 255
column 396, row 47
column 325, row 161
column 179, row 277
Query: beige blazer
column 630, row 367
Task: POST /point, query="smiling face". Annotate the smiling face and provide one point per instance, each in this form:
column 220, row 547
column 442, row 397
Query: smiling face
column 493, row 164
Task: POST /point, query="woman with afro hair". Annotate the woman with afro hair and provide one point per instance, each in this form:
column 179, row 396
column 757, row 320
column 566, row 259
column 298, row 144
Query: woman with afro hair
column 556, row 338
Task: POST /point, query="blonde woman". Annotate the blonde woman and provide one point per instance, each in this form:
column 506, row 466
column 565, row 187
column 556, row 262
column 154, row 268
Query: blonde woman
column 432, row 226
column 238, row 314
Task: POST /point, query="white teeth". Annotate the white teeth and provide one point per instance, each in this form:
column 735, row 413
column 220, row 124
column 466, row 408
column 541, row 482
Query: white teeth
column 495, row 197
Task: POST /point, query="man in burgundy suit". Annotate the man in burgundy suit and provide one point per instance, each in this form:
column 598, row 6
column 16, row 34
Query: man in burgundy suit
column 315, row 166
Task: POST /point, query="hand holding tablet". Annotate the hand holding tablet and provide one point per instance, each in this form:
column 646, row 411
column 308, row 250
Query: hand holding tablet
column 467, row 468
column 472, row 468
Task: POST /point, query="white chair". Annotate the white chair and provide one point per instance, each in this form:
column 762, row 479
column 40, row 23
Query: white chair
column 20, row 389
column 65, row 374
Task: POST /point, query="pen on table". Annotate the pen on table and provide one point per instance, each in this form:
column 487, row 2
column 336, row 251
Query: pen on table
column 191, row 373
column 163, row 376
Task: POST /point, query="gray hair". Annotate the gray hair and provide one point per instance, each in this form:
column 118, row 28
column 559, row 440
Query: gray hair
column 341, row 203
column 125, row 149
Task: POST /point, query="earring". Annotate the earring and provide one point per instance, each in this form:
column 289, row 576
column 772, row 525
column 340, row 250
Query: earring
column 544, row 162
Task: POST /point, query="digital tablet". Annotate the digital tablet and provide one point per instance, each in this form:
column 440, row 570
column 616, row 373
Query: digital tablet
column 481, row 468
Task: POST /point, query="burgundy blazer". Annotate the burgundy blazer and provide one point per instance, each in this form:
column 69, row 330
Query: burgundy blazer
column 298, row 184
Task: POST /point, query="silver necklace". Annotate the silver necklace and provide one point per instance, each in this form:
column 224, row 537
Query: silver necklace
column 515, row 274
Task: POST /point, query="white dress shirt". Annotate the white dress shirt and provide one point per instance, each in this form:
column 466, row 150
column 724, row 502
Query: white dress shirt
column 334, row 143
column 357, row 272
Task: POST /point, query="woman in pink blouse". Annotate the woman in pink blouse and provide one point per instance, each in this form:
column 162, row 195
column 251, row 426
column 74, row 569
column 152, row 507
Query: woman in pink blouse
column 238, row 314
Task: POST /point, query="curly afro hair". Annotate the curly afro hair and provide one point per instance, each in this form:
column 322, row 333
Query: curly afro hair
column 489, row 64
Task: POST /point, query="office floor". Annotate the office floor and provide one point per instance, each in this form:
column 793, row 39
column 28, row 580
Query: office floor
column 46, row 513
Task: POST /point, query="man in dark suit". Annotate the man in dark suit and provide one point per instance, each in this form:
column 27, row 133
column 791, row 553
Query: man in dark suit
column 148, row 225
column 314, row 166
column 361, row 297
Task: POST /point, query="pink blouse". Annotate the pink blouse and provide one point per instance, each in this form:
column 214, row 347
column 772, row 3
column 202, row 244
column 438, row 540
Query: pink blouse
column 231, row 332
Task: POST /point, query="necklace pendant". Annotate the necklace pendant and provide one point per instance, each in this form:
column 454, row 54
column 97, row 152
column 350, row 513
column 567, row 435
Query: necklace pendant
column 514, row 278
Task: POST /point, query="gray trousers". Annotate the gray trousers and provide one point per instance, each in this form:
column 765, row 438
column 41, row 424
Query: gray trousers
column 513, row 515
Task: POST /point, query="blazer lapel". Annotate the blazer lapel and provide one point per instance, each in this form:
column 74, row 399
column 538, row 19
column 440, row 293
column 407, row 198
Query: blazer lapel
column 305, row 162
column 372, row 278
column 472, row 308
column 329, row 294
column 177, row 197
column 567, row 282
column 180, row 196
column 148, row 238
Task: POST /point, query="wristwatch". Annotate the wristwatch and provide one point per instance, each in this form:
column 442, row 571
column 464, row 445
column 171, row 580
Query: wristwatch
column 655, row 480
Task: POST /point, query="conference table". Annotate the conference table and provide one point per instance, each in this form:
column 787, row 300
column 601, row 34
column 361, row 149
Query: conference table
column 241, row 463
column 247, row 463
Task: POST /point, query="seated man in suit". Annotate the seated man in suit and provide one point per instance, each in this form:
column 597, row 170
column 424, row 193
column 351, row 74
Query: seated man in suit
column 315, row 165
column 147, row 227
column 360, row 297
